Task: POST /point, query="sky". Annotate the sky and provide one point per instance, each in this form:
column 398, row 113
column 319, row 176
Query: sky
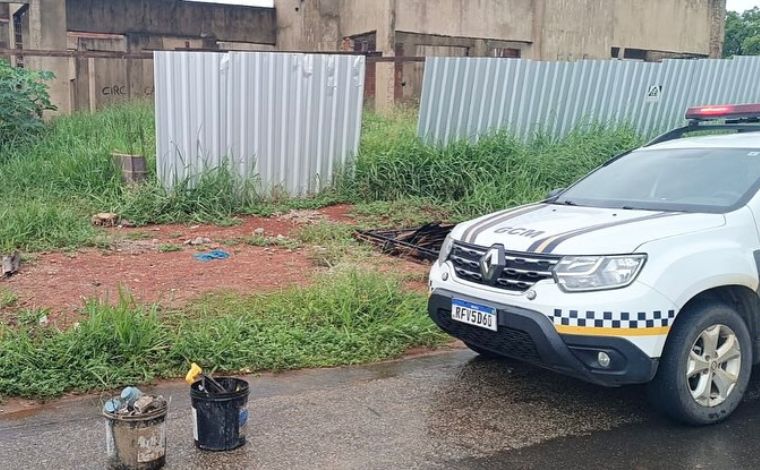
column 741, row 5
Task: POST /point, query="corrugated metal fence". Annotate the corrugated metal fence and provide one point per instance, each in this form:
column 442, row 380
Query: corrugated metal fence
column 288, row 120
column 466, row 97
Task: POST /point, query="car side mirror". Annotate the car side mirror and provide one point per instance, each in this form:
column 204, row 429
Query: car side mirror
column 554, row 193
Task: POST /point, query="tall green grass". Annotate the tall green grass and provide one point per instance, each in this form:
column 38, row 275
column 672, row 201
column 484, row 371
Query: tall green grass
column 347, row 317
column 53, row 186
column 471, row 179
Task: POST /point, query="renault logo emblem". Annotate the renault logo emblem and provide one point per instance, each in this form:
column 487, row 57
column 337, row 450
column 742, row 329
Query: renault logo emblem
column 492, row 263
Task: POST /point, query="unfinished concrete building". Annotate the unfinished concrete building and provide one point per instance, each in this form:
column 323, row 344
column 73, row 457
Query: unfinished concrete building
column 534, row 29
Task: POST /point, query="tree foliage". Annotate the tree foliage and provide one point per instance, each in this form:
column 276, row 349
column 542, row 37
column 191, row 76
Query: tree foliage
column 742, row 33
column 23, row 98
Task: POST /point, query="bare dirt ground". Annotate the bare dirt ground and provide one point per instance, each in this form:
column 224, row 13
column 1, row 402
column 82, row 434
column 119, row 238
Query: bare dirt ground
column 140, row 264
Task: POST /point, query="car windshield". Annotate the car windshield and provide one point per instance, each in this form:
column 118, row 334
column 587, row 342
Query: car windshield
column 688, row 180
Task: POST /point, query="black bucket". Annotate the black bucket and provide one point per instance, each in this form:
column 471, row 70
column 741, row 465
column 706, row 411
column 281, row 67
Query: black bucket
column 220, row 419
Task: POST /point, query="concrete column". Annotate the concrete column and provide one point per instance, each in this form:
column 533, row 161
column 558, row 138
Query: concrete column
column 717, row 12
column 480, row 48
column 12, row 10
column 47, row 30
column 4, row 27
column 539, row 12
column 385, row 76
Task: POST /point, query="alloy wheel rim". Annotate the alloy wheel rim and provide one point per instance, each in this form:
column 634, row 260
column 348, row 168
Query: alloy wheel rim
column 713, row 366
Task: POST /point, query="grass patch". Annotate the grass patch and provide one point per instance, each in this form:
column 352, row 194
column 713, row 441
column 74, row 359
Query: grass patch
column 169, row 248
column 52, row 186
column 346, row 317
column 266, row 242
column 31, row 316
column 331, row 243
column 8, row 298
column 469, row 179
column 406, row 212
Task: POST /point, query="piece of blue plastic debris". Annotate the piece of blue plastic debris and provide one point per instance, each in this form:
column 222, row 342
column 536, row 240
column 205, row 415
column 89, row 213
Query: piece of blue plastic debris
column 130, row 395
column 211, row 255
column 112, row 406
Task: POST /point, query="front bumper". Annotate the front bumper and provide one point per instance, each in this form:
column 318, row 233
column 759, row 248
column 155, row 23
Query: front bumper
column 531, row 337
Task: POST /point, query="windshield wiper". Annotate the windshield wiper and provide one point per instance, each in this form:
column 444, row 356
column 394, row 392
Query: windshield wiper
column 567, row 202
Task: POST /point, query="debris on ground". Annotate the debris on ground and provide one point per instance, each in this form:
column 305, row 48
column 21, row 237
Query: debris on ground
column 259, row 231
column 105, row 219
column 199, row 241
column 211, row 255
column 10, row 264
column 133, row 402
column 124, row 223
column 421, row 243
column 303, row 216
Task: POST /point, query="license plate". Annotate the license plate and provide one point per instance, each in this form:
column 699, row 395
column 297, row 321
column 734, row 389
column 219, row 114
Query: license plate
column 473, row 314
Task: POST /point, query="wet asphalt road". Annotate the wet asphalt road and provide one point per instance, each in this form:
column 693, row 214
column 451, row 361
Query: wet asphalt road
column 448, row 410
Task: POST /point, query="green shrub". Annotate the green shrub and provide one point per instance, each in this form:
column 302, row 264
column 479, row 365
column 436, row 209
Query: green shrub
column 23, row 98
column 346, row 317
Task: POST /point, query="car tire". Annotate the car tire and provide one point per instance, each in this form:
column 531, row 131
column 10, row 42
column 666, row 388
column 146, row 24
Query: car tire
column 692, row 387
column 483, row 352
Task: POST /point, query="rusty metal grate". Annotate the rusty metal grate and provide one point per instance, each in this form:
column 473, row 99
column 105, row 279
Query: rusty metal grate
column 421, row 243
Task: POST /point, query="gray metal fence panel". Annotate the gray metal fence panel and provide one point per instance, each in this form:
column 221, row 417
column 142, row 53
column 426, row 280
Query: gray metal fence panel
column 463, row 98
column 287, row 121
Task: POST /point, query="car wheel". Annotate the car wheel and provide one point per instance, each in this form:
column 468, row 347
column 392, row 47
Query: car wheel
column 705, row 366
column 483, row 352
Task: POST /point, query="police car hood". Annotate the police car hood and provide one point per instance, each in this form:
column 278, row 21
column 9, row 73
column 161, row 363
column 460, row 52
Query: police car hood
column 560, row 229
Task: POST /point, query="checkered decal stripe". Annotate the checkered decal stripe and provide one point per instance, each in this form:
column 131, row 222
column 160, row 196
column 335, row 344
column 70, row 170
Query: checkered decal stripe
column 655, row 319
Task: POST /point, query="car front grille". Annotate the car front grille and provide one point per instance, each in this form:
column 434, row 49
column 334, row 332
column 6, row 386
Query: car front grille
column 509, row 342
column 521, row 272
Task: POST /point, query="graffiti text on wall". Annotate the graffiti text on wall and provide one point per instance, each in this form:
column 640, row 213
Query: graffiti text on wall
column 123, row 90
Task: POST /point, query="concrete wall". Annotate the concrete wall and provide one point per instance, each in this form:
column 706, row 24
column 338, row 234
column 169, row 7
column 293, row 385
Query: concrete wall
column 308, row 26
column 428, row 45
column 321, row 25
column 125, row 25
column 668, row 25
column 173, row 18
column 538, row 29
column 99, row 83
column 495, row 19
column 673, row 28
column 45, row 28
column 571, row 29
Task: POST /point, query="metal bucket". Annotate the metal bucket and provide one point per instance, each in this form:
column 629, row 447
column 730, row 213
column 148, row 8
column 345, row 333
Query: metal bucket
column 136, row 442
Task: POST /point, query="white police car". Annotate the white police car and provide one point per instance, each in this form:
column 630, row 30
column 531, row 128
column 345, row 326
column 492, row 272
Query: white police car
column 647, row 270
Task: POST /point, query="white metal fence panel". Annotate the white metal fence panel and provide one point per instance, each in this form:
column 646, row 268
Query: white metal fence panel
column 286, row 120
column 463, row 98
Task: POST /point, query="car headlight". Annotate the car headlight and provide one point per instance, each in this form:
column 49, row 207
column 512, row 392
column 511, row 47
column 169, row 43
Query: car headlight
column 448, row 245
column 588, row 273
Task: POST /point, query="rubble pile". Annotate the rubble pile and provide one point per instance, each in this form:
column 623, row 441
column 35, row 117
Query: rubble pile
column 133, row 402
